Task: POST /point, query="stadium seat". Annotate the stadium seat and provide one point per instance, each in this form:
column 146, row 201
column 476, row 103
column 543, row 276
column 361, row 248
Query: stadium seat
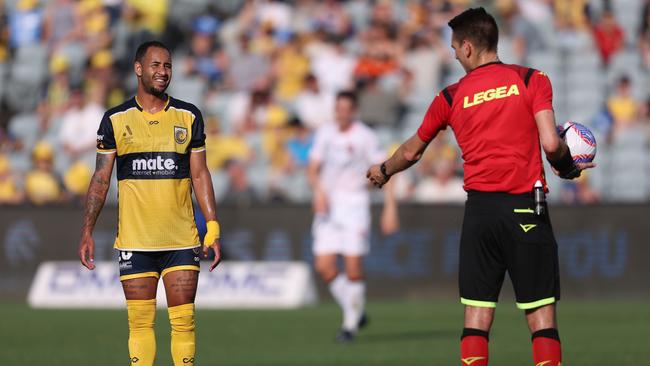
column 189, row 89
column 220, row 182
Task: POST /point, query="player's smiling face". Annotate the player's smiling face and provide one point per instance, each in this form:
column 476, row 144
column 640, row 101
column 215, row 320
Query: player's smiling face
column 155, row 71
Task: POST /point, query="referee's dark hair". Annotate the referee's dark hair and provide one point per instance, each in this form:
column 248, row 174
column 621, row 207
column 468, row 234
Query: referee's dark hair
column 143, row 47
column 477, row 26
column 349, row 95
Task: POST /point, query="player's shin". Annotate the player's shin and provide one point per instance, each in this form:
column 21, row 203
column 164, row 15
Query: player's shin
column 142, row 340
column 183, row 345
column 547, row 349
column 357, row 301
column 474, row 347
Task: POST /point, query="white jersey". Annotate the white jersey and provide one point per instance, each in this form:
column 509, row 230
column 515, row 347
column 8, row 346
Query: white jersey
column 345, row 157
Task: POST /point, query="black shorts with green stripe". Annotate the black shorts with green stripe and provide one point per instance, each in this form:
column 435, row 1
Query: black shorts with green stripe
column 136, row 264
column 501, row 233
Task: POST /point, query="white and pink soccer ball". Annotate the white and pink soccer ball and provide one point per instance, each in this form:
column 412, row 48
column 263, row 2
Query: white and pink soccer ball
column 581, row 141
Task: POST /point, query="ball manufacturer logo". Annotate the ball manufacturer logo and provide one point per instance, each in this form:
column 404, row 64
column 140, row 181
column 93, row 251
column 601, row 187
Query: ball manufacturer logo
column 180, row 134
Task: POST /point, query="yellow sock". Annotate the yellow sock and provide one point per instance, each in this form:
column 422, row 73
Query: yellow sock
column 181, row 318
column 142, row 340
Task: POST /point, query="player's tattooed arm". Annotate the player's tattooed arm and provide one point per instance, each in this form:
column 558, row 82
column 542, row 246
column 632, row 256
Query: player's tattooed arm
column 95, row 198
column 99, row 185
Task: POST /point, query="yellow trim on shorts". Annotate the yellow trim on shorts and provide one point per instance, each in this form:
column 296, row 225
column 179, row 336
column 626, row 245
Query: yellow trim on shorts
column 535, row 304
column 524, row 210
column 187, row 267
column 480, row 304
column 139, row 275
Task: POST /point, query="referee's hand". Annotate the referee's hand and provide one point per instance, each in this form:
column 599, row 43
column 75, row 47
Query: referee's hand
column 375, row 176
column 216, row 247
column 580, row 166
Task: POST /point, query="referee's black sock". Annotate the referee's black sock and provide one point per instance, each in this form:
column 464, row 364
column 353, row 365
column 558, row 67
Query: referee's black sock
column 547, row 349
column 474, row 347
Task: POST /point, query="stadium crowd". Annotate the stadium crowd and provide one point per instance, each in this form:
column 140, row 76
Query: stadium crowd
column 264, row 73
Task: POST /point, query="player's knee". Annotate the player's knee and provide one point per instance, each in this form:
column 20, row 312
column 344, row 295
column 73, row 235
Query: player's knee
column 181, row 318
column 327, row 271
column 354, row 276
column 141, row 313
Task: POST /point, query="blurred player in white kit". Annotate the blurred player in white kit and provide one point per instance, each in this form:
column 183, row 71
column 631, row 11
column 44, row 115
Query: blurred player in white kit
column 338, row 161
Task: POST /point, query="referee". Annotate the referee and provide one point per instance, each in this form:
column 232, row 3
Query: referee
column 499, row 113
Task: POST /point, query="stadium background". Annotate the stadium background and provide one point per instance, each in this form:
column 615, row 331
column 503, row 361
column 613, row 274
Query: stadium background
column 264, row 74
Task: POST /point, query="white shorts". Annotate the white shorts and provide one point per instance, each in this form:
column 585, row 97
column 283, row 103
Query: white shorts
column 344, row 230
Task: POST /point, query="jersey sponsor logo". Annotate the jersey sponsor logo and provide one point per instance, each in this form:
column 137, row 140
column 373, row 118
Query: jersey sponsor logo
column 180, row 134
column 490, row 94
column 471, row 360
column 153, row 165
column 527, row 227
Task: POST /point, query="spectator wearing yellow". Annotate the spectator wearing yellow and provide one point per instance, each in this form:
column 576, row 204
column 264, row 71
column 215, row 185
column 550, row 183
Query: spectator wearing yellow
column 41, row 185
column 9, row 191
column 77, row 178
column 221, row 148
column 291, row 67
column 622, row 105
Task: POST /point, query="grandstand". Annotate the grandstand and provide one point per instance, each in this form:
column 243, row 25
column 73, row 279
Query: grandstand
column 246, row 64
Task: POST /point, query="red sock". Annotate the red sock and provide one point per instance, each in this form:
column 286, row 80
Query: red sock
column 547, row 350
column 474, row 347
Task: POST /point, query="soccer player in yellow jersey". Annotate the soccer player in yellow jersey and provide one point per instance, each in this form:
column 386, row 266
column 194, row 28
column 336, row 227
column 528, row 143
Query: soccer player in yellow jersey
column 158, row 146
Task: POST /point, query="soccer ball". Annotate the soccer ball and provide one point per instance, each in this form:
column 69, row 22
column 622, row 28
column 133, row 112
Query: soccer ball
column 581, row 141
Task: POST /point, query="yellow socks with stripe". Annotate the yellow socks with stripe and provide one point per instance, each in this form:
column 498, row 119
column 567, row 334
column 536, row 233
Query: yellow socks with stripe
column 142, row 340
column 181, row 318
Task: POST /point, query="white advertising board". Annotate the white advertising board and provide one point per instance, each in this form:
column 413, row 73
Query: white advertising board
column 234, row 285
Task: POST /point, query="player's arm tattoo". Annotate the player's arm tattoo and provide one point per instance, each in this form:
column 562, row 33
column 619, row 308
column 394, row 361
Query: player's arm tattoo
column 98, row 189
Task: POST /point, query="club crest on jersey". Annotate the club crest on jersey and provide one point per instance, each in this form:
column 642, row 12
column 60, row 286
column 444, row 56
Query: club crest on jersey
column 180, row 134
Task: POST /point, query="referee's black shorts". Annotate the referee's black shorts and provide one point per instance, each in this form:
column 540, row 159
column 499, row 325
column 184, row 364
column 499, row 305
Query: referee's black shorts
column 502, row 233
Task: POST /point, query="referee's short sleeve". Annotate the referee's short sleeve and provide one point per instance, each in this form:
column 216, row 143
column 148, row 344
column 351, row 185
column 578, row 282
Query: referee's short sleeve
column 197, row 143
column 106, row 136
column 435, row 119
column 541, row 92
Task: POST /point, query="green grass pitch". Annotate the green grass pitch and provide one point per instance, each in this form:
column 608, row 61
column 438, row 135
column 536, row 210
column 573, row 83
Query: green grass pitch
column 400, row 333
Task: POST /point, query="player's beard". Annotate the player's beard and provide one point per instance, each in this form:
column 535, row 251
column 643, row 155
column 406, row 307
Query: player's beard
column 152, row 89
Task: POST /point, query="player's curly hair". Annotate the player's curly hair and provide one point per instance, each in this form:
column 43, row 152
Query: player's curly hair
column 477, row 26
column 143, row 47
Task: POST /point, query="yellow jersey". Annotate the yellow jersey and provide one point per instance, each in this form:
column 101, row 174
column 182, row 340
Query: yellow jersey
column 153, row 173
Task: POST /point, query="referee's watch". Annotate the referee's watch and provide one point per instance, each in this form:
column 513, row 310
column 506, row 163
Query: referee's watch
column 382, row 169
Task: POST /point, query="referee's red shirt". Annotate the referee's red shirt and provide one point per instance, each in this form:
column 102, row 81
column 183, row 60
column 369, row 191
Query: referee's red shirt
column 492, row 113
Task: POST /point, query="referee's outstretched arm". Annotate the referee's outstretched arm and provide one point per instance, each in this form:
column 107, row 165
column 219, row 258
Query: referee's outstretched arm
column 404, row 157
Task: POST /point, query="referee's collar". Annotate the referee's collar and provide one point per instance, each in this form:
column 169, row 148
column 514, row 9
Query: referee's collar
column 487, row 64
